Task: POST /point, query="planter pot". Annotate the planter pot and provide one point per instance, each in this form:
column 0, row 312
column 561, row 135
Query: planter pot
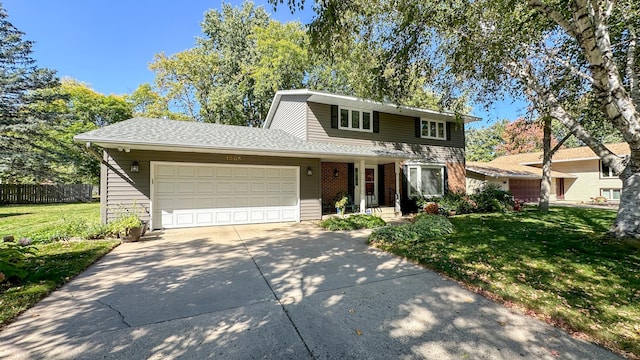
column 136, row 233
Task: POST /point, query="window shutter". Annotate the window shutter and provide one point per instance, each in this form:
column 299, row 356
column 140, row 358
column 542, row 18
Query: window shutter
column 334, row 116
column 381, row 186
column 376, row 122
column 445, row 172
column 448, row 130
column 418, row 126
column 350, row 183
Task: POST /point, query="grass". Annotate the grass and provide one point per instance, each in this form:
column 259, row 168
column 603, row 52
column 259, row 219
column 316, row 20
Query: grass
column 560, row 266
column 51, row 264
column 352, row 222
column 27, row 220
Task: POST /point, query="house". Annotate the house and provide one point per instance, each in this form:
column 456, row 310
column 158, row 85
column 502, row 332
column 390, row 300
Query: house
column 312, row 146
column 577, row 174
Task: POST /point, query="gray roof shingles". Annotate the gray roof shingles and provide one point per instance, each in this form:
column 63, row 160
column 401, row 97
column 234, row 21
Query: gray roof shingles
column 188, row 134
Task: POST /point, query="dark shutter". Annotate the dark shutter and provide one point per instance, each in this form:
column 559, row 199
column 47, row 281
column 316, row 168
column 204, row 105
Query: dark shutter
column 446, row 179
column 418, row 126
column 334, row 116
column 351, row 187
column 448, row 129
column 381, row 188
column 376, row 122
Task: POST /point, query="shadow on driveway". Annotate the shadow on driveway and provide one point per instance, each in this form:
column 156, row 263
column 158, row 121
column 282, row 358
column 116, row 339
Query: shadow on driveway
column 273, row 291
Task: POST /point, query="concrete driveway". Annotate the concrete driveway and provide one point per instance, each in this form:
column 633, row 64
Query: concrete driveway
column 287, row 291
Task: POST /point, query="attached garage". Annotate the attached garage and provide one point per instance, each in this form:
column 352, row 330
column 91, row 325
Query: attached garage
column 525, row 190
column 190, row 195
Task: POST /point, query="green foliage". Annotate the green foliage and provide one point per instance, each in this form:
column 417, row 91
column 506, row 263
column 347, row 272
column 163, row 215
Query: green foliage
column 21, row 83
column 47, row 268
column 352, row 222
column 12, row 257
column 561, row 265
column 481, row 144
column 490, row 198
column 425, row 227
column 493, row 199
column 124, row 223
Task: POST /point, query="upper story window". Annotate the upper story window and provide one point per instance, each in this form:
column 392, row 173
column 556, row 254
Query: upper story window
column 605, row 171
column 358, row 120
column 433, row 129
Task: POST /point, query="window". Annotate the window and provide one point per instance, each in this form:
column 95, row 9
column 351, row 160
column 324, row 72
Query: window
column 432, row 129
column 426, row 180
column 357, row 120
column 605, row 171
column 610, row 194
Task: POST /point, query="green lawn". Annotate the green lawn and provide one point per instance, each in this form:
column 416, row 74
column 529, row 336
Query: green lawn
column 51, row 264
column 25, row 220
column 560, row 266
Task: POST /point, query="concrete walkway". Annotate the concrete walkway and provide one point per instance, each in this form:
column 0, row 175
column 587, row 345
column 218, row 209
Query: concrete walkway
column 287, row 291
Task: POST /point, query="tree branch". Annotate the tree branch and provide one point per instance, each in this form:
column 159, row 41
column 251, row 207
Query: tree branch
column 631, row 71
column 562, row 141
column 555, row 16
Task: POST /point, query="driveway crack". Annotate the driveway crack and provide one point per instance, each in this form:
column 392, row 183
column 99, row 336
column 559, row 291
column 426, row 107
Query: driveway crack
column 117, row 311
column 306, row 346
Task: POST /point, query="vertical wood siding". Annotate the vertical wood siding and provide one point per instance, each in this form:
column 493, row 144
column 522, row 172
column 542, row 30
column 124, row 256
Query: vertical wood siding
column 291, row 115
column 123, row 188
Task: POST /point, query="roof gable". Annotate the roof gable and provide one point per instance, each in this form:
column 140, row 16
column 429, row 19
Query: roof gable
column 360, row 103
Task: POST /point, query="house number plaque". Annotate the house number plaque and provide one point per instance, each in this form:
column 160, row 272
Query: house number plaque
column 234, row 158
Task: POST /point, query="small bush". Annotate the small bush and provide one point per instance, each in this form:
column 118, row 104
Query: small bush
column 353, row 222
column 12, row 257
column 493, row 199
column 425, row 227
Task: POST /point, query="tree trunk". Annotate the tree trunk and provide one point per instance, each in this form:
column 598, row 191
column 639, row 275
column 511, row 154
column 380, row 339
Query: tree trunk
column 545, row 184
column 627, row 223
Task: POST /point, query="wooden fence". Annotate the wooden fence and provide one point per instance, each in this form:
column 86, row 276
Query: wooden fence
column 44, row 194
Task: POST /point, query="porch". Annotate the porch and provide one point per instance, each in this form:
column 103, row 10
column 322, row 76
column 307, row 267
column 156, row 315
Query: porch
column 375, row 189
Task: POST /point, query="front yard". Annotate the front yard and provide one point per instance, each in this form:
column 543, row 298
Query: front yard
column 558, row 266
column 51, row 264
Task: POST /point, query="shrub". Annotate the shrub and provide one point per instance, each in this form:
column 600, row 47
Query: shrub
column 431, row 208
column 352, row 222
column 493, row 199
column 425, row 227
column 123, row 223
column 12, row 257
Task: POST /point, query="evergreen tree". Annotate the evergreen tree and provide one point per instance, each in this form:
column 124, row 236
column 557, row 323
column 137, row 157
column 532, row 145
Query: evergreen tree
column 20, row 80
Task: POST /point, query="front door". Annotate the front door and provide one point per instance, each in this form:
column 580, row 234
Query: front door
column 370, row 186
column 560, row 188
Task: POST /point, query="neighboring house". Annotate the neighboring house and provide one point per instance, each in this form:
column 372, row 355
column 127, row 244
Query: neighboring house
column 313, row 145
column 577, row 174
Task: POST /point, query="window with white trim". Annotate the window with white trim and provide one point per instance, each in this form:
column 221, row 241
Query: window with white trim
column 610, row 194
column 425, row 180
column 433, row 129
column 605, row 171
column 354, row 119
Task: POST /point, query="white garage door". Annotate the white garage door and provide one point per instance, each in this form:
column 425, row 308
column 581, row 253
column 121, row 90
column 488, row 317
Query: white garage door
column 204, row 195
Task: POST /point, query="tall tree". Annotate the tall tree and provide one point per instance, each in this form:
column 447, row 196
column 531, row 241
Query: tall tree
column 482, row 144
column 553, row 51
column 522, row 136
column 20, row 82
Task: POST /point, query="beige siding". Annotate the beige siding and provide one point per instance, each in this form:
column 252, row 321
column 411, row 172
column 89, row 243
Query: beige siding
column 394, row 130
column 588, row 182
column 476, row 181
column 291, row 115
column 122, row 193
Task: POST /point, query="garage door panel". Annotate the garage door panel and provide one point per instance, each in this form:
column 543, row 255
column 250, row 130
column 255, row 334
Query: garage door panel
column 194, row 195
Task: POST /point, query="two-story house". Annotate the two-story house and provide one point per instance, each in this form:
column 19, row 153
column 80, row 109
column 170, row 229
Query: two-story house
column 313, row 145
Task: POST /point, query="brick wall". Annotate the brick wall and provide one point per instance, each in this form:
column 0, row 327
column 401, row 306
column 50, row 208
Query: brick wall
column 456, row 175
column 332, row 185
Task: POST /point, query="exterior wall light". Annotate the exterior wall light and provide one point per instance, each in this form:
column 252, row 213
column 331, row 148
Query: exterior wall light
column 336, row 173
column 309, row 171
column 135, row 167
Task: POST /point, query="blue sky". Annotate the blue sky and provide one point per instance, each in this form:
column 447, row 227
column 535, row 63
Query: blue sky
column 109, row 44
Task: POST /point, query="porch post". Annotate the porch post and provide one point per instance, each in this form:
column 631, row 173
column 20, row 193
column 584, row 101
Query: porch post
column 363, row 188
column 396, row 207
